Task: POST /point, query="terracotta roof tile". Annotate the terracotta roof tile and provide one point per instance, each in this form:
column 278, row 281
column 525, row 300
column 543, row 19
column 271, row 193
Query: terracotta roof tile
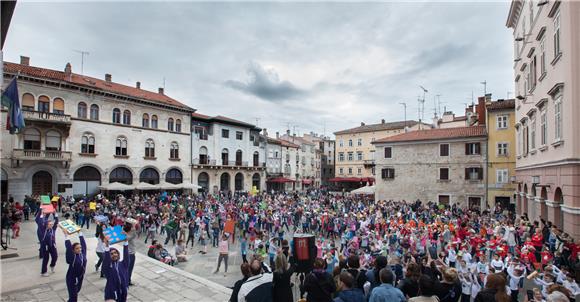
column 502, row 104
column 93, row 83
column 377, row 127
column 435, row 134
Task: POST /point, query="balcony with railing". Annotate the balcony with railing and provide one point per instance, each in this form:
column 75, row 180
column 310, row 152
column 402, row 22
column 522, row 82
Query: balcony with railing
column 369, row 162
column 49, row 155
column 41, row 116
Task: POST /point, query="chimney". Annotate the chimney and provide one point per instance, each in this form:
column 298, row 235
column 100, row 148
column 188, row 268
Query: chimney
column 265, row 132
column 277, row 135
column 362, row 123
column 160, row 90
column 288, row 132
column 108, row 77
column 138, row 85
column 382, row 121
column 481, row 109
column 68, row 69
column 24, row 60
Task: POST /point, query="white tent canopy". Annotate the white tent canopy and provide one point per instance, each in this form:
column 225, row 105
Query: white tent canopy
column 189, row 186
column 366, row 190
column 170, row 186
column 116, row 186
column 146, row 186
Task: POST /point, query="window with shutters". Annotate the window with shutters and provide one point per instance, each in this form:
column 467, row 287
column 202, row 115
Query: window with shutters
column 444, row 150
column 533, row 133
column 388, row 152
column 474, row 173
column 443, row 173
column 473, row 149
column 543, row 56
column 53, row 139
column 388, row 173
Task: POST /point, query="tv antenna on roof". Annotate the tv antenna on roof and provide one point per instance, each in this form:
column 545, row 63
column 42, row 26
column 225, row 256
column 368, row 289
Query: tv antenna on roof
column 83, row 54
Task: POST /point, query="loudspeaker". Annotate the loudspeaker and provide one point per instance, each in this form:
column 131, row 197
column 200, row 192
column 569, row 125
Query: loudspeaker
column 304, row 252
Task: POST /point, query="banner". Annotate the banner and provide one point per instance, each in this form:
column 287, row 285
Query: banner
column 69, row 227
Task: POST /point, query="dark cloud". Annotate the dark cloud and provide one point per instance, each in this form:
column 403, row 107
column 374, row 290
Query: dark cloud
column 315, row 66
column 266, row 85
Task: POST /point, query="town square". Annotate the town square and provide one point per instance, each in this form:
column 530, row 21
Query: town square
column 290, row 151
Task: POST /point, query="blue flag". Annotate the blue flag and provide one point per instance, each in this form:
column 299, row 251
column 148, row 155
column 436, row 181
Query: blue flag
column 11, row 99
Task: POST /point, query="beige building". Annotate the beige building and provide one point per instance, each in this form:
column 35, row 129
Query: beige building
column 355, row 154
column 440, row 165
column 83, row 132
column 501, row 152
column 547, row 88
column 325, row 156
column 308, row 158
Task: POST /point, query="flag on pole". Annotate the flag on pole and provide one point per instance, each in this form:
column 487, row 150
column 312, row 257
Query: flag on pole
column 10, row 99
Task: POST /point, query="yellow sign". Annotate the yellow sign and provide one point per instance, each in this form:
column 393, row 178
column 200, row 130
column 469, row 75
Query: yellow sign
column 92, row 205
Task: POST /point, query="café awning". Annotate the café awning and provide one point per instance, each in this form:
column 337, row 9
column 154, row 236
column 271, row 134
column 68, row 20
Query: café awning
column 279, row 180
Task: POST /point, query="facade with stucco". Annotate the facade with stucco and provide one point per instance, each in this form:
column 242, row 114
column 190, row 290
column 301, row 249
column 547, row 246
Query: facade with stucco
column 547, row 88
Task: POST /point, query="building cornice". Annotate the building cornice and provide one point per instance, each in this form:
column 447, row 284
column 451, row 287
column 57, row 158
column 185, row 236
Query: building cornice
column 562, row 162
column 514, row 13
column 570, row 210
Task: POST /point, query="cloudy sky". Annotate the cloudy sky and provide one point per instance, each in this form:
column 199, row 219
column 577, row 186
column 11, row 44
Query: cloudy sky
column 316, row 67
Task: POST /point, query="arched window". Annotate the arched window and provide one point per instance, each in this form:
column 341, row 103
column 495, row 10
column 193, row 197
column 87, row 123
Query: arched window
column 174, row 176
column 88, row 144
column 150, row 148
column 82, row 110
column 203, row 158
column 94, row 112
column 150, row 176
column 154, row 121
column 58, row 106
column 43, row 104
column 203, row 181
column 127, row 117
column 170, row 124
column 239, row 182
column 256, row 181
column 52, row 140
column 256, row 159
column 122, row 175
column 31, row 139
column 116, row 116
column 178, row 125
column 174, row 151
column 239, row 157
column 121, row 146
column 225, row 157
column 28, row 102
column 145, row 120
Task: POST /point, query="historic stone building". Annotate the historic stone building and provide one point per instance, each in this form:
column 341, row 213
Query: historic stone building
column 307, row 173
column 227, row 154
column 439, row 165
column 82, row 132
column 547, row 78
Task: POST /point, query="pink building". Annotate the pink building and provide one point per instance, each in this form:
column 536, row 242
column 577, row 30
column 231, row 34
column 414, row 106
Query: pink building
column 547, row 89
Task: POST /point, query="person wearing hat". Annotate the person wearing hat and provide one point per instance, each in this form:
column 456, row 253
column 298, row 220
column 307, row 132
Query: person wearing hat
column 116, row 272
column 76, row 258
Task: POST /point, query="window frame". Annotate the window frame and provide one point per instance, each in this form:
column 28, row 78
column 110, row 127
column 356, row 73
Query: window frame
column 390, row 148
column 558, row 120
column 94, row 113
column 441, row 150
column 116, row 116
column 225, row 133
column 441, row 169
column 388, row 173
column 81, row 110
column 239, row 135
column 501, row 173
column 121, row 146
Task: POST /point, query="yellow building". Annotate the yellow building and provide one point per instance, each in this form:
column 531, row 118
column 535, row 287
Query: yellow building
column 501, row 152
column 355, row 153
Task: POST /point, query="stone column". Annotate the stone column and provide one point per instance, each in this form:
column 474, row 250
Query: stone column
column 554, row 213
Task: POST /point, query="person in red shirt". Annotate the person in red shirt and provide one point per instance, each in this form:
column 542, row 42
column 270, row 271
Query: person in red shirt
column 538, row 242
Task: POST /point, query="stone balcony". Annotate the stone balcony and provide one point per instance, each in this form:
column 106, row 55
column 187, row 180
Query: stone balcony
column 41, row 155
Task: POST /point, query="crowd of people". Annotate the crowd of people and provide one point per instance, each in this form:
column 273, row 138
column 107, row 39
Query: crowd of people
column 365, row 250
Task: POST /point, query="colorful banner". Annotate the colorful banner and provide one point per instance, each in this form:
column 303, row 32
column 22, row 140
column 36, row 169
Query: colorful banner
column 69, row 227
column 45, row 199
column 114, row 234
